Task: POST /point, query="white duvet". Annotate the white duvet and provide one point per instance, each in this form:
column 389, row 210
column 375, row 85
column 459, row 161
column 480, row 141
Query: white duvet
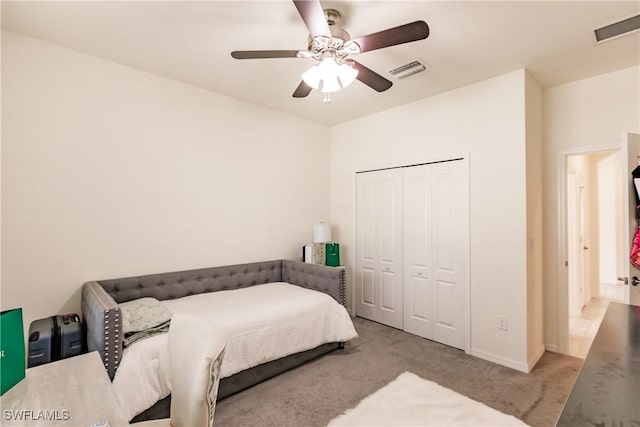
column 262, row 323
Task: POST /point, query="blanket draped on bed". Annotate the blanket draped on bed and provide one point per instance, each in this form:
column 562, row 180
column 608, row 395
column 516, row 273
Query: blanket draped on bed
column 143, row 318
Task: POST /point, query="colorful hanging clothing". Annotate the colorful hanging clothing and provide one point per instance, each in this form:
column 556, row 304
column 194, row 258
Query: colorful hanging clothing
column 635, row 250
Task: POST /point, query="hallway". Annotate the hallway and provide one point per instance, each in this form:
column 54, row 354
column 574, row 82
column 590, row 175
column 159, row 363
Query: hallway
column 583, row 329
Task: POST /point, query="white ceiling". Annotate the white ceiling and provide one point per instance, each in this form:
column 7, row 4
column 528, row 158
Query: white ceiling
column 469, row 42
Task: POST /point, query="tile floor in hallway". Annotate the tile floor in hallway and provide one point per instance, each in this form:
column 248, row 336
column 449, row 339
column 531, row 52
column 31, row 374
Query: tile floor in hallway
column 582, row 329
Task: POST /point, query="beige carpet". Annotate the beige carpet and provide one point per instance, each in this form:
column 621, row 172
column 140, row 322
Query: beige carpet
column 412, row 401
column 314, row 394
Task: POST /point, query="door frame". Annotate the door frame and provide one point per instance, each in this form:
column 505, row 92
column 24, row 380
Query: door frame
column 562, row 270
column 466, row 281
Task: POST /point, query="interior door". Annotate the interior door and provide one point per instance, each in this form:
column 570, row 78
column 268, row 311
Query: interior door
column 585, row 261
column 367, row 301
column 390, row 247
column 379, row 246
column 630, row 155
column 418, row 242
column 449, row 267
column 573, row 240
column 434, row 263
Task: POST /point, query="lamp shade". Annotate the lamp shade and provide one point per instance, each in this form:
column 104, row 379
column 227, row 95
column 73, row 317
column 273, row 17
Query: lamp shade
column 330, row 84
column 332, row 75
column 346, row 74
column 321, row 233
column 312, row 77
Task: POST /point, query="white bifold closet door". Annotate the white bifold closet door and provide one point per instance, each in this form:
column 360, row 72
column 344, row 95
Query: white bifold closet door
column 410, row 267
column 379, row 247
column 434, row 268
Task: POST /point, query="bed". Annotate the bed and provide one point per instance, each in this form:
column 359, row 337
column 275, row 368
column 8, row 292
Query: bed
column 277, row 315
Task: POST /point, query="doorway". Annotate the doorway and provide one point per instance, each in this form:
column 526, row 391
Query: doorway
column 594, row 247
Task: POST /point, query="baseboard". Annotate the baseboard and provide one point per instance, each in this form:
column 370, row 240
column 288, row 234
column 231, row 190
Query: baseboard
column 500, row 360
column 536, row 357
column 552, row 348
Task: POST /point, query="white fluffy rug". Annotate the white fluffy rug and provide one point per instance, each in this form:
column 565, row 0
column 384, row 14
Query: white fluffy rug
column 412, row 401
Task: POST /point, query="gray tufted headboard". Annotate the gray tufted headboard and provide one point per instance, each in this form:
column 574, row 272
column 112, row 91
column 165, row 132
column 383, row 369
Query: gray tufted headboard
column 100, row 298
column 330, row 280
column 184, row 283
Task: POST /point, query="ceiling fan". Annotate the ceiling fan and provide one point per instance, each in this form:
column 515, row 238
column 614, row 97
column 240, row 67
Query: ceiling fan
column 333, row 47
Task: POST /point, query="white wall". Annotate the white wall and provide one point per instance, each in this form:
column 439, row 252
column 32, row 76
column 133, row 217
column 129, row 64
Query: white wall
column 535, row 311
column 609, row 214
column 586, row 114
column 486, row 120
column 593, row 253
column 108, row 171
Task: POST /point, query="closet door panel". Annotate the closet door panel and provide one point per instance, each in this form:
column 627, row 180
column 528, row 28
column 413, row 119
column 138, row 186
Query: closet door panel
column 418, row 306
column 388, row 285
column 449, row 269
column 390, row 219
column 444, row 207
column 390, row 246
column 368, row 221
column 368, row 287
column 418, row 296
column 366, row 282
column 446, row 302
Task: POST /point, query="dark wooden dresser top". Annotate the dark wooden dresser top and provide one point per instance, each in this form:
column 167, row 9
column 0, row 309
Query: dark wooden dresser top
column 607, row 390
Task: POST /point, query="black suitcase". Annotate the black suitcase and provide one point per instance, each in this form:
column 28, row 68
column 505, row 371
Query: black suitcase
column 55, row 338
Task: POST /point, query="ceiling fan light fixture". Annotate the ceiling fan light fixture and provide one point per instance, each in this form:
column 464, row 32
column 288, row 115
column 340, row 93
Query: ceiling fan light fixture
column 332, row 45
column 347, row 74
column 312, row 77
column 332, row 76
column 330, row 84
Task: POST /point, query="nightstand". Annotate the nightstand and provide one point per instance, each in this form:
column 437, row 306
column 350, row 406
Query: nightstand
column 69, row 392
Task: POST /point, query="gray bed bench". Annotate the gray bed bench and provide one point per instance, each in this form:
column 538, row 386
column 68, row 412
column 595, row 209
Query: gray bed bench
column 100, row 301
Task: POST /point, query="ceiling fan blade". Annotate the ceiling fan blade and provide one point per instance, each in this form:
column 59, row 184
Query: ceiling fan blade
column 302, row 90
column 393, row 36
column 260, row 54
column 313, row 16
column 372, row 79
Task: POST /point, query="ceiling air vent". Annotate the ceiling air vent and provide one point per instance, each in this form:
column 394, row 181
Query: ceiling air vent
column 409, row 69
column 618, row 28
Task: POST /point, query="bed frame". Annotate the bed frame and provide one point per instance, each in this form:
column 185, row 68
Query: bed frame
column 101, row 314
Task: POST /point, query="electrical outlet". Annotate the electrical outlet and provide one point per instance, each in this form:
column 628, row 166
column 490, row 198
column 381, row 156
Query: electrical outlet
column 503, row 323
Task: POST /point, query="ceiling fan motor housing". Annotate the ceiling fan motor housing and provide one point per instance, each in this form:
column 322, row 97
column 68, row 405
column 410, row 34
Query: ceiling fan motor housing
column 332, row 16
column 339, row 35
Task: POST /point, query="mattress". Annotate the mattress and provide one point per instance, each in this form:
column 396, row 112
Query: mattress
column 262, row 323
